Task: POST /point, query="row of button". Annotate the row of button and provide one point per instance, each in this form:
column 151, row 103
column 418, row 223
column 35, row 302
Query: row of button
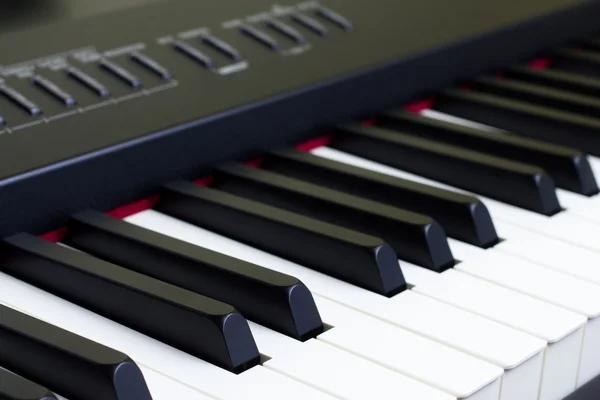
column 262, row 37
column 84, row 79
column 192, row 52
column 291, row 33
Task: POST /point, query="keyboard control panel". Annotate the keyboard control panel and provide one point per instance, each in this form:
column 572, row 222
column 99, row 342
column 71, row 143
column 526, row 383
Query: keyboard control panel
column 59, row 86
column 166, row 89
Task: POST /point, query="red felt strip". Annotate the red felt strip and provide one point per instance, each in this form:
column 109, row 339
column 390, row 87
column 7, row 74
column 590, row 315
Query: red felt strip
column 419, row 106
column 540, row 63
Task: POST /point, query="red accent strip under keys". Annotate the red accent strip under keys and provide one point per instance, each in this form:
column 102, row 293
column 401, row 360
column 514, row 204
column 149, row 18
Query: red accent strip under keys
column 134, row 208
column 314, row 143
column 419, row 106
column 55, row 236
column 539, row 63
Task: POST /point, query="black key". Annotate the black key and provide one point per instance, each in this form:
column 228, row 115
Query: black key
column 273, row 299
column 556, row 79
column 463, row 217
column 311, row 24
column 52, row 89
column 14, row 387
column 66, row 363
column 87, row 81
column 515, row 183
column 120, row 73
column 415, row 237
column 286, row 30
column 20, row 100
column 576, row 61
column 539, row 95
column 193, row 53
column 198, row 325
column 568, row 167
column 151, row 65
column 522, row 118
column 351, row 256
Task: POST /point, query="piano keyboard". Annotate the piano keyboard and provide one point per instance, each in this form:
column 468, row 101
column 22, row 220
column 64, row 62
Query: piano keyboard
column 445, row 249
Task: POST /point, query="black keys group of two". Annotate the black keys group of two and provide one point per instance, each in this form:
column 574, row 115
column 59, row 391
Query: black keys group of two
column 341, row 220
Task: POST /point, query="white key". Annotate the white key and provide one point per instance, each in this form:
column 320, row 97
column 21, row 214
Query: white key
column 482, row 338
column 595, row 165
column 580, row 230
column 543, row 250
column 257, row 383
column 562, row 329
column 436, row 365
column 529, row 278
column 338, row 372
column 165, row 388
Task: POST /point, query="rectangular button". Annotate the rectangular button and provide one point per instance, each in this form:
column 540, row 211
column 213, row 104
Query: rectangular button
column 51, row 88
column 463, row 217
column 334, row 17
column 121, row 73
column 20, row 100
column 311, row 24
column 368, row 261
column 568, row 167
column 151, row 65
column 193, row 53
column 223, row 47
column 286, row 30
column 66, row 363
column 88, row 81
column 260, row 37
column 165, row 312
column 245, row 286
column 416, row 237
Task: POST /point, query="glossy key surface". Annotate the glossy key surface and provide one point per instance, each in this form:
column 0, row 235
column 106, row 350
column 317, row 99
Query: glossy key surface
column 168, row 313
column 271, row 298
column 357, row 258
column 66, row 363
column 569, row 167
column 414, row 236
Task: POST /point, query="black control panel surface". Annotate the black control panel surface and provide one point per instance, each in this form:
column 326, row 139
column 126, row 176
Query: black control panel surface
column 100, row 105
